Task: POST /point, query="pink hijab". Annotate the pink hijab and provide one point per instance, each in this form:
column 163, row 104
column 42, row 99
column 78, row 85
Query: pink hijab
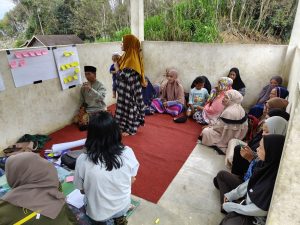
column 234, row 110
column 173, row 91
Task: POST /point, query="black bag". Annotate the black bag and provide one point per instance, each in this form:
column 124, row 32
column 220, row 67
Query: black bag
column 69, row 159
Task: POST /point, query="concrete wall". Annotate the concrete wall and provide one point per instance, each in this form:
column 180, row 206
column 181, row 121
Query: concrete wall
column 286, row 197
column 44, row 108
column 257, row 63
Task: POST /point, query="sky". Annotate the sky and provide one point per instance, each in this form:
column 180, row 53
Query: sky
column 5, row 6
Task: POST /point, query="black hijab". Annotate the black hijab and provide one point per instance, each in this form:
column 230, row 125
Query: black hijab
column 237, row 82
column 261, row 184
column 279, row 112
column 207, row 84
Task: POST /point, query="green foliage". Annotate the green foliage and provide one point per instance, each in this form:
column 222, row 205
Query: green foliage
column 190, row 20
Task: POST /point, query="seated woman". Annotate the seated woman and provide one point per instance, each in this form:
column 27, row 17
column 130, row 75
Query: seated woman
column 106, row 172
column 264, row 95
column 225, row 181
column 35, row 191
column 240, row 154
column 214, row 107
column 171, row 100
column 238, row 84
column 280, row 92
column 257, row 190
column 233, row 123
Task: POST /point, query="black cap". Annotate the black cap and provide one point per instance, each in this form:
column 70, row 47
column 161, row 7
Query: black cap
column 90, row 69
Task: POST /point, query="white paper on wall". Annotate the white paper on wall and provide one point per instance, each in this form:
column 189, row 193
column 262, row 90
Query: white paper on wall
column 2, row 87
column 68, row 67
column 30, row 66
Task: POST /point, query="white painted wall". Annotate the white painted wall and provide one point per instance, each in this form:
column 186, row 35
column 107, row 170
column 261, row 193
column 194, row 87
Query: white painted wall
column 44, row 108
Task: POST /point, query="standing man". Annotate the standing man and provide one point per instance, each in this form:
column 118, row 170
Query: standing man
column 92, row 96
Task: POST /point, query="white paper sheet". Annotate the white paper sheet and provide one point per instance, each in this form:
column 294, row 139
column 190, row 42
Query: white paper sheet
column 75, row 198
column 67, row 145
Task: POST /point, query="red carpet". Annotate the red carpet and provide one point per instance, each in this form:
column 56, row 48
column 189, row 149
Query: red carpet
column 161, row 147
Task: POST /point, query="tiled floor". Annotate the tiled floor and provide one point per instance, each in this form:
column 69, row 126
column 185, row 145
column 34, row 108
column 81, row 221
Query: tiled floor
column 191, row 198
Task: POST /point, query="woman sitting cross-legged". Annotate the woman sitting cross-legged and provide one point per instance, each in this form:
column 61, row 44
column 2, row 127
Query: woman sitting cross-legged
column 106, row 172
column 214, row 107
column 257, row 191
column 35, row 191
column 233, row 123
column 171, row 100
column 246, row 160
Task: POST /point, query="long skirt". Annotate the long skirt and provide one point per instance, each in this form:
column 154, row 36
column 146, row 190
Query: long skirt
column 130, row 106
column 174, row 108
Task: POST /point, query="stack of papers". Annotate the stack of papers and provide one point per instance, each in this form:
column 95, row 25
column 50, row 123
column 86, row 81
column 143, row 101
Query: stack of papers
column 75, row 198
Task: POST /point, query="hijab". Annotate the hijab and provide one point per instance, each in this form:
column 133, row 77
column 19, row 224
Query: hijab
column 265, row 92
column 277, row 125
column 278, row 103
column 237, row 82
column 234, row 111
column 279, row 112
column 173, row 91
column 282, row 92
column 132, row 57
column 261, row 184
column 224, row 84
column 34, row 184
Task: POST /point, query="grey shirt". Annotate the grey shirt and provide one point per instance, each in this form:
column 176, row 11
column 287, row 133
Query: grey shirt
column 94, row 98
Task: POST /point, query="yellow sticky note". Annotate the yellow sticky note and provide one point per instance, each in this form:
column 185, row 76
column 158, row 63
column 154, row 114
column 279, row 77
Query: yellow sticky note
column 66, row 54
column 67, row 66
column 66, row 80
column 75, row 77
column 157, row 221
column 62, row 67
column 76, row 63
column 77, row 70
column 51, row 155
column 70, row 78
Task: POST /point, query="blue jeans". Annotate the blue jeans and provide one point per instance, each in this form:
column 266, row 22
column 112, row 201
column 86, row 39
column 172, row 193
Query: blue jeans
column 110, row 221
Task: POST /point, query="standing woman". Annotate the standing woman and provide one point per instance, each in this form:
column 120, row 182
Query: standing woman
column 238, row 84
column 130, row 106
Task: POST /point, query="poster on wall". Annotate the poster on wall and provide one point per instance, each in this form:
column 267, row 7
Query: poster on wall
column 67, row 63
column 2, row 87
column 31, row 66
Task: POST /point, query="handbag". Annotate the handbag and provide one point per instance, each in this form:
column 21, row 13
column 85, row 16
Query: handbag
column 69, row 159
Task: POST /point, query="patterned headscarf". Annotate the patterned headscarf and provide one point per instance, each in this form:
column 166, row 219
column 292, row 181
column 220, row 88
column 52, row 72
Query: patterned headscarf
column 132, row 58
column 224, row 84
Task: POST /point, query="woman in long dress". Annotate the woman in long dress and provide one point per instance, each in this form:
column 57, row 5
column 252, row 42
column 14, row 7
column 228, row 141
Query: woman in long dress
column 130, row 79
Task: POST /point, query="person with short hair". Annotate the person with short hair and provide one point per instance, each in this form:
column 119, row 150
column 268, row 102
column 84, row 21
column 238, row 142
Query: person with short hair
column 92, row 94
column 114, row 71
column 105, row 172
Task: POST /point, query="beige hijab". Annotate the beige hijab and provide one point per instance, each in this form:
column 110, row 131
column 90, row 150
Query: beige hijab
column 234, row 110
column 34, row 184
column 173, row 91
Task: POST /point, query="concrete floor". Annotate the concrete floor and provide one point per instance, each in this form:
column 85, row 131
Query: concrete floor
column 191, row 198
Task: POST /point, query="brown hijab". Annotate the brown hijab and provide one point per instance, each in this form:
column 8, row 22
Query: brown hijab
column 277, row 103
column 132, row 57
column 173, row 91
column 34, row 184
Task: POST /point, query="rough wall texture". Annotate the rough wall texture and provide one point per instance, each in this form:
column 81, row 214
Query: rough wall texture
column 44, row 108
